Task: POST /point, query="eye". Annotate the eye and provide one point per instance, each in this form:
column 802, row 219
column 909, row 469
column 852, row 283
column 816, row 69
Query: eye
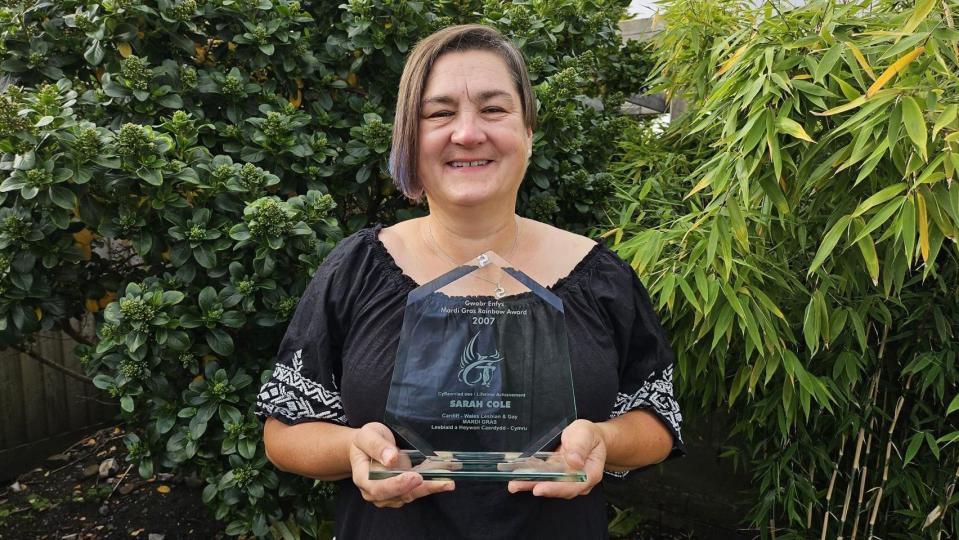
column 440, row 114
column 493, row 110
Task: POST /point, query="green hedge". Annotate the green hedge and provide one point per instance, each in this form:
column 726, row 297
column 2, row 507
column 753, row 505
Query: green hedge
column 181, row 169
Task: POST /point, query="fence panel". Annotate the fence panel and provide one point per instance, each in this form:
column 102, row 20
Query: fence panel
column 40, row 406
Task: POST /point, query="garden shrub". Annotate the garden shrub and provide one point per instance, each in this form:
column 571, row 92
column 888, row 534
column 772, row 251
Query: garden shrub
column 180, row 169
column 798, row 226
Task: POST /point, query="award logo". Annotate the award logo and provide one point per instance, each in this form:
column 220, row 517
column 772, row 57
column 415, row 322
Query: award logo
column 478, row 368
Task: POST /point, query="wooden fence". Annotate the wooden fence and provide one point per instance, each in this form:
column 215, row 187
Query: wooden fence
column 41, row 407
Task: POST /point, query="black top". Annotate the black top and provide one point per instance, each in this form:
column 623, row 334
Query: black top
column 336, row 361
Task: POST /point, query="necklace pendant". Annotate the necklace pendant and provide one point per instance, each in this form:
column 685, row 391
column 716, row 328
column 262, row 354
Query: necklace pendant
column 499, row 292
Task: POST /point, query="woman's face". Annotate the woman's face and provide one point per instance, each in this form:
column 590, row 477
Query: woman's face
column 473, row 145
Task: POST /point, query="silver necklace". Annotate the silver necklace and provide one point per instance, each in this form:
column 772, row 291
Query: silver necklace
column 498, row 291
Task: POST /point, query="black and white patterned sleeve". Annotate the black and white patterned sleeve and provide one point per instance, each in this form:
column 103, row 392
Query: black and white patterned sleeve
column 293, row 396
column 656, row 395
column 304, row 384
column 645, row 359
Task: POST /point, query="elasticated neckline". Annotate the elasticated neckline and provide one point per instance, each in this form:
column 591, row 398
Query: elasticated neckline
column 387, row 263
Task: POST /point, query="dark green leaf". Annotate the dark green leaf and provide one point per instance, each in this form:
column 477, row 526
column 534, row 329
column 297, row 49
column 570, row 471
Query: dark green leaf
column 220, row 342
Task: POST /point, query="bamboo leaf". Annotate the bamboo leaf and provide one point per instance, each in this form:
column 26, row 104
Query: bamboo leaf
column 923, row 222
column 828, row 61
column 931, row 174
column 870, row 164
column 868, row 249
column 791, row 127
column 823, row 313
column 953, row 405
column 848, row 90
column 772, row 142
column 738, row 223
column 894, row 126
column 948, row 438
column 946, row 117
column 862, row 60
column 829, row 243
column 933, row 446
column 914, row 443
column 733, row 300
column 880, row 218
column 689, row 294
column 728, row 64
column 907, row 222
column 843, row 108
column 892, row 70
column 919, row 14
column 811, row 332
column 879, row 197
column 810, row 88
column 915, row 124
column 775, row 193
column 703, row 184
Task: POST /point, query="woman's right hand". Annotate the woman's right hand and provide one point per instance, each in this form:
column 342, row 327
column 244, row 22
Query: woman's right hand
column 376, row 440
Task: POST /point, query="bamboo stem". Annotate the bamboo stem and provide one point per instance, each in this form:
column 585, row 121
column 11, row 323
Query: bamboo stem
column 945, row 506
column 862, row 482
column 948, row 16
column 832, row 484
column 852, row 481
column 873, row 395
column 885, row 469
column 812, row 470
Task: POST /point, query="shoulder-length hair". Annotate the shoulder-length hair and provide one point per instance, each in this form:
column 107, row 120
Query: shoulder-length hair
column 465, row 37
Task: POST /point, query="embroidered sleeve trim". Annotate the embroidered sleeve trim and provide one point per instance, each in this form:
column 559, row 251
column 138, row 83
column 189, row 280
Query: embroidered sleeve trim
column 656, row 394
column 290, row 396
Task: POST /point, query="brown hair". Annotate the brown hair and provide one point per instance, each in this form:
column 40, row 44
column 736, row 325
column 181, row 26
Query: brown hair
column 464, row 37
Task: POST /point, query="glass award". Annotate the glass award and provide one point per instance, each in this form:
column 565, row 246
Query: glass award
column 482, row 387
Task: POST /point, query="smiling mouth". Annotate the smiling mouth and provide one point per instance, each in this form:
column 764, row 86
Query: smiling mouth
column 468, row 164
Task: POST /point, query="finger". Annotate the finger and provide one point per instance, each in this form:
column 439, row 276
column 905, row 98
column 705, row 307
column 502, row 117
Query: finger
column 578, row 441
column 429, row 488
column 422, row 490
column 389, row 488
column 561, row 490
column 376, row 441
column 516, row 486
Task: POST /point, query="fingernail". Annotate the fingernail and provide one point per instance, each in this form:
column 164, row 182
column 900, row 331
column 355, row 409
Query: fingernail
column 388, row 455
column 573, row 456
column 450, row 487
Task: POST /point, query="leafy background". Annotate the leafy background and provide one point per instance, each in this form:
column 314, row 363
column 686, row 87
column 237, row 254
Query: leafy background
column 180, row 169
column 797, row 228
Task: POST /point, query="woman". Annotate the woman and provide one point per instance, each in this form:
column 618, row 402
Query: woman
column 462, row 137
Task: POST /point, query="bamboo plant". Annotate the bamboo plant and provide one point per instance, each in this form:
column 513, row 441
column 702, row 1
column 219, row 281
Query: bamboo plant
column 798, row 229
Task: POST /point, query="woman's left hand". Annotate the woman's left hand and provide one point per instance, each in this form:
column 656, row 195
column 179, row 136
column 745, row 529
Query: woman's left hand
column 584, row 447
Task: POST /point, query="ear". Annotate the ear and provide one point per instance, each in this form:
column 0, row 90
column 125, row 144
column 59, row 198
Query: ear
column 529, row 137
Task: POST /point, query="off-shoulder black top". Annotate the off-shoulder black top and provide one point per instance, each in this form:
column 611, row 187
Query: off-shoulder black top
column 336, row 359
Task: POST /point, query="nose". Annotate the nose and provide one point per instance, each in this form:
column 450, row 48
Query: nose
column 468, row 130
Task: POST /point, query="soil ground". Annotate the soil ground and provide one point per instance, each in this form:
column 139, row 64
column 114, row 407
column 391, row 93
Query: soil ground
column 89, row 492
column 68, row 498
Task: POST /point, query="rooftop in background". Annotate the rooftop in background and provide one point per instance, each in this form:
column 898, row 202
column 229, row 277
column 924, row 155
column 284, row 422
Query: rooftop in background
column 642, row 8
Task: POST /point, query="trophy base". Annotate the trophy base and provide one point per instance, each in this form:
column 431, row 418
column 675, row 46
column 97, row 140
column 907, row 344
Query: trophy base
column 493, row 466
